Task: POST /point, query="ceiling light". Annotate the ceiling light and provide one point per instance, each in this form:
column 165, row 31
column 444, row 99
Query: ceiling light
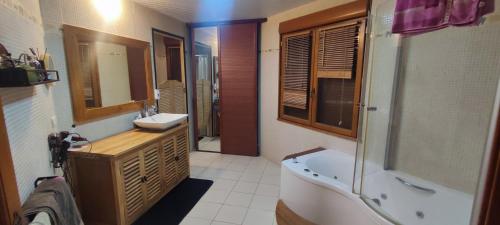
column 109, row 9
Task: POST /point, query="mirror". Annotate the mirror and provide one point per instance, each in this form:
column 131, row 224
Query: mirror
column 170, row 71
column 109, row 74
column 206, row 61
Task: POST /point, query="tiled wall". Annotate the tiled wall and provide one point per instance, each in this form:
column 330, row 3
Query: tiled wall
column 136, row 22
column 29, row 111
column 448, row 85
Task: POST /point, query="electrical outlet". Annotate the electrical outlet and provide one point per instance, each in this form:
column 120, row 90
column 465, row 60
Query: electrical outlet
column 157, row 94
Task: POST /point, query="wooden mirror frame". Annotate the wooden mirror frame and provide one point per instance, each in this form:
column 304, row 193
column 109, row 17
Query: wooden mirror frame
column 82, row 114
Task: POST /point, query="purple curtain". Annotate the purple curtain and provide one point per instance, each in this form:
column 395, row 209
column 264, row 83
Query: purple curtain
column 420, row 16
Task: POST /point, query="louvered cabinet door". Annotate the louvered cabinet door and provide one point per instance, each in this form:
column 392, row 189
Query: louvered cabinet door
column 152, row 177
column 169, row 163
column 132, row 182
column 182, row 152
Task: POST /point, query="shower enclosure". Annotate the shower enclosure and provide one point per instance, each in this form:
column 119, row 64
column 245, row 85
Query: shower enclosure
column 428, row 102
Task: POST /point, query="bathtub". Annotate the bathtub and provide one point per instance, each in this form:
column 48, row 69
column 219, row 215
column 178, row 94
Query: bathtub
column 318, row 188
column 411, row 206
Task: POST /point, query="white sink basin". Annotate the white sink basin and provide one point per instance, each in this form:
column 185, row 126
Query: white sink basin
column 160, row 121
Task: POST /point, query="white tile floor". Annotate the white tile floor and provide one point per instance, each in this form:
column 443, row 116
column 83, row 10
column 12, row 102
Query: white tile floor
column 245, row 190
column 209, row 144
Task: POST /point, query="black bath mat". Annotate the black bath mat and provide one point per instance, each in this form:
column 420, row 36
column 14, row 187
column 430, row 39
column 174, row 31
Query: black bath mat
column 172, row 208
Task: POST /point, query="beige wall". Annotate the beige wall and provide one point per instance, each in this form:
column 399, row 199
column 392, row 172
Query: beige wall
column 279, row 139
column 135, row 22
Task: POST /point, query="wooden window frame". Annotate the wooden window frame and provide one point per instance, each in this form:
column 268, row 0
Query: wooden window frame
column 311, row 122
column 281, row 114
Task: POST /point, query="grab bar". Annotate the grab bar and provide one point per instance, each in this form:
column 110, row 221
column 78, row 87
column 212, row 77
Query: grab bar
column 428, row 190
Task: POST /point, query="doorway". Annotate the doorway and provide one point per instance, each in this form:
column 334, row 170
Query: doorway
column 225, row 77
column 206, row 62
column 168, row 51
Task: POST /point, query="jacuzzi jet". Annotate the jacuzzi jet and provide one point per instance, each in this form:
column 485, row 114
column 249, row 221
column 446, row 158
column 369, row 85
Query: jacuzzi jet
column 335, row 177
column 420, row 214
column 307, row 170
column 383, row 196
column 377, row 201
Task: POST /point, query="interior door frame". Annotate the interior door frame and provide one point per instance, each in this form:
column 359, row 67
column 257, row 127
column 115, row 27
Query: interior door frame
column 191, row 27
column 10, row 202
column 490, row 202
column 183, row 52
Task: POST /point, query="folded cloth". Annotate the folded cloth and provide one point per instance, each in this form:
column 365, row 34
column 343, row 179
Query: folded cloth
column 54, row 198
column 41, row 219
column 420, row 16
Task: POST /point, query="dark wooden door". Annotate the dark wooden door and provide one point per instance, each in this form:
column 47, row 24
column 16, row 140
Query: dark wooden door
column 238, row 88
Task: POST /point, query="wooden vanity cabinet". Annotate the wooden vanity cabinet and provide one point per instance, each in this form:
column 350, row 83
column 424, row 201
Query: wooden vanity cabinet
column 119, row 178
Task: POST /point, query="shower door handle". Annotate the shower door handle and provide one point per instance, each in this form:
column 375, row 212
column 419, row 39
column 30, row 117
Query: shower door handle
column 428, row 190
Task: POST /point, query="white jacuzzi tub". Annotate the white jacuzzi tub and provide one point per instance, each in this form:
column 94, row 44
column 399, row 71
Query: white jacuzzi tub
column 318, row 187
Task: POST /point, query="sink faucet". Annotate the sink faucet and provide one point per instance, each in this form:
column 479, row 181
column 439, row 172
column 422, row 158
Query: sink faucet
column 148, row 111
column 152, row 110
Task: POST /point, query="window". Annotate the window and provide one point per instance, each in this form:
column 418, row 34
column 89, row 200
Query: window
column 320, row 78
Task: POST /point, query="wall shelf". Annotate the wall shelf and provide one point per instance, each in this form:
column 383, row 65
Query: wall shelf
column 20, row 77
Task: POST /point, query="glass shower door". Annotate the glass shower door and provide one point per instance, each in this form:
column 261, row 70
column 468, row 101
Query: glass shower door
column 429, row 101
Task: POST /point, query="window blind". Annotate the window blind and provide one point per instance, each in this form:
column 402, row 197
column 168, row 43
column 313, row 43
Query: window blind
column 337, row 51
column 297, row 68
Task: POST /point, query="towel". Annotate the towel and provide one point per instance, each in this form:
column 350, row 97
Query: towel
column 420, row 16
column 42, row 218
column 54, row 198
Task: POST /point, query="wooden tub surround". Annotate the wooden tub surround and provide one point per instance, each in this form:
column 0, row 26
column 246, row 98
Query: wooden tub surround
column 285, row 216
column 295, row 155
column 119, row 178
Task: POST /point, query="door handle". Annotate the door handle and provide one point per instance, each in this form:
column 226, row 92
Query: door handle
column 418, row 187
